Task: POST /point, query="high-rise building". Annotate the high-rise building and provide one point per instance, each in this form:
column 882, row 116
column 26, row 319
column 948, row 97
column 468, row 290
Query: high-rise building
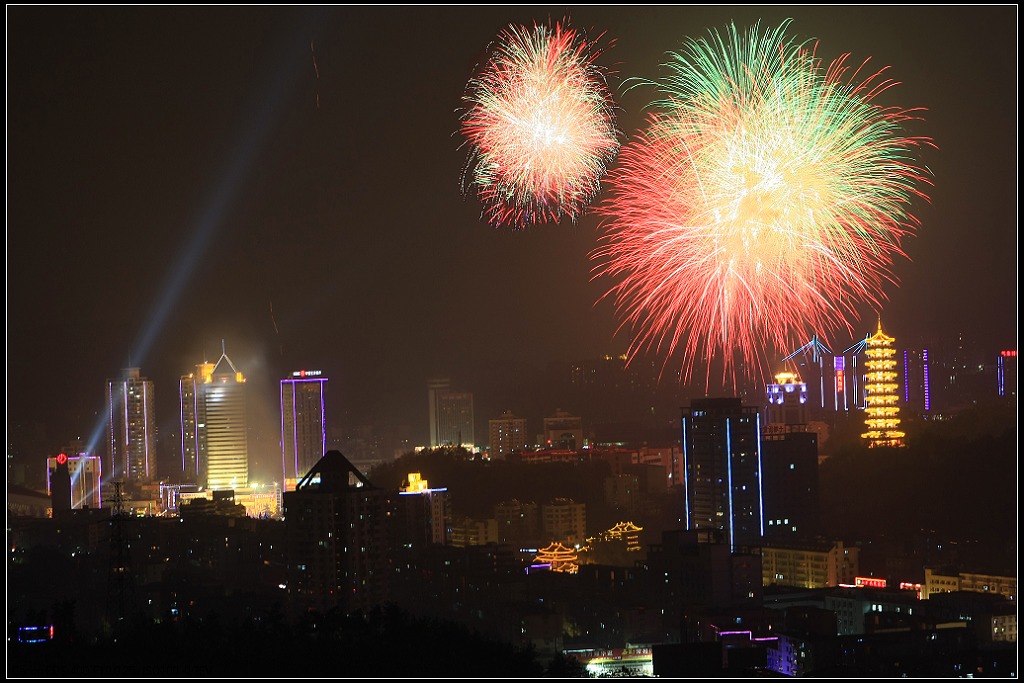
column 789, row 463
column 917, row 391
column 214, row 426
column 451, row 415
column 722, row 469
column 337, row 538
column 193, row 422
column 1006, row 373
column 303, row 423
column 132, row 444
column 882, row 400
column 507, row 435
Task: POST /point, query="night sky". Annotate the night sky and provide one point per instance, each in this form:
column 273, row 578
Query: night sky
column 289, row 181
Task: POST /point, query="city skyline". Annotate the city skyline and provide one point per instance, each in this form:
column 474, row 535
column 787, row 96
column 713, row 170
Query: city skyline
column 289, row 181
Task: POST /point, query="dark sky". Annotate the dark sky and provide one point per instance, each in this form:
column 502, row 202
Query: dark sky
column 288, row 180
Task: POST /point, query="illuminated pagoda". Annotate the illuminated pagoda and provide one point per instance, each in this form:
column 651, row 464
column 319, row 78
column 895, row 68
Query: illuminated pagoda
column 560, row 558
column 626, row 533
column 881, row 405
column 615, row 547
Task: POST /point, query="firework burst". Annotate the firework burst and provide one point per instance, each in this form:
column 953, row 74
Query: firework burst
column 540, row 125
column 766, row 199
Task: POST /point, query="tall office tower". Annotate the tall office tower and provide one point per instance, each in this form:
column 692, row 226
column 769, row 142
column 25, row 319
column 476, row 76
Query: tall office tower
column 132, row 444
column 435, row 388
column 451, row 415
column 336, row 538
column 507, row 435
column 1006, row 373
column 227, row 449
column 917, row 393
column 789, row 461
column 563, row 431
column 787, row 402
column 722, row 469
column 214, row 426
column 193, row 423
column 303, row 425
column 882, row 401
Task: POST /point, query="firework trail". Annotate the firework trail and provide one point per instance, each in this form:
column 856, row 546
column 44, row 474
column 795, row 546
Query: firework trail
column 766, row 199
column 540, row 125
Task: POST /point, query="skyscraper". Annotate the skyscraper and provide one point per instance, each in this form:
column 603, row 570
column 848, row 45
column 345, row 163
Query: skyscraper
column 451, row 415
column 193, row 423
column 1006, row 373
column 882, row 407
column 790, row 485
column 132, row 444
column 336, row 538
column 917, row 390
column 722, row 469
column 303, row 425
column 214, row 426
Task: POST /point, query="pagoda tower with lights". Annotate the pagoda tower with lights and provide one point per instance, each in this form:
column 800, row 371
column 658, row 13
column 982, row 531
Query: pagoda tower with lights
column 881, row 401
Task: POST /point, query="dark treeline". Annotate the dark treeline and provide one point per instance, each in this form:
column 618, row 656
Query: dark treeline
column 953, row 480
column 475, row 485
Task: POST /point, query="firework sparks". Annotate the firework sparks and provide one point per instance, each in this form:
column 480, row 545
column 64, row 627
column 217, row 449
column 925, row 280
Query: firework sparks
column 540, row 125
column 766, row 199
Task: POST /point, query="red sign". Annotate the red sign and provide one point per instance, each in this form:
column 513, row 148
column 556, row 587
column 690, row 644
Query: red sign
column 869, row 582
column 62, row 458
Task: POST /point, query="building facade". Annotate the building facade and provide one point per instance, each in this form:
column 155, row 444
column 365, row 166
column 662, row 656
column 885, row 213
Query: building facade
column 786, row 401
column 917, row 385
column 303, row 422
column 564, row 520
column 507, row 435
column 1006, row 373
column 420, row 514
column 337, row 538
column 562, row 430
column 790, row 491
column 193, row 422
column 131, row 447
column 451, row 415
column 809, row 565
column 86, row 474
column 722, row 470
column 214, row 426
